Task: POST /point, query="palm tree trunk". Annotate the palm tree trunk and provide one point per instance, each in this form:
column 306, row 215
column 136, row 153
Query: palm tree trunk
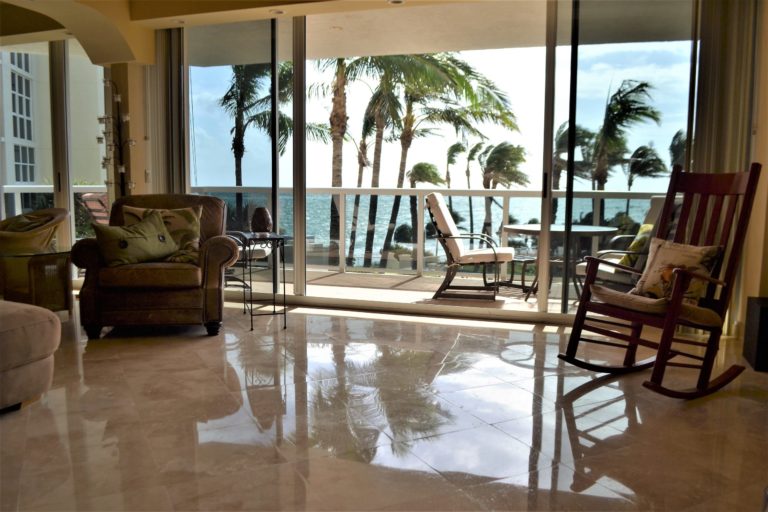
column 356, row 209
column 487, row 222
column 404, row 146
column 238, row 147
column 374, row 204
column 414, row 215
column 338, row 123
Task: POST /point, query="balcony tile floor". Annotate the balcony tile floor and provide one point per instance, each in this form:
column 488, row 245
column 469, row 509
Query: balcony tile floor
column 353, row 411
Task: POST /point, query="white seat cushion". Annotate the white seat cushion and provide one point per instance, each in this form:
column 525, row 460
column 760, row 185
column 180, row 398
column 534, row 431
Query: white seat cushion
column 690, row 313
column 502, row 254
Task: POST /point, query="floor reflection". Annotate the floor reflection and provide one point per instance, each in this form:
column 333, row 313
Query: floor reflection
column 340, row 412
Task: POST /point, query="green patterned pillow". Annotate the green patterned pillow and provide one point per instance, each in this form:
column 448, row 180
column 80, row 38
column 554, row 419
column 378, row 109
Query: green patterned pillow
column 638, row 245
column 183, row 224
column 147, row 240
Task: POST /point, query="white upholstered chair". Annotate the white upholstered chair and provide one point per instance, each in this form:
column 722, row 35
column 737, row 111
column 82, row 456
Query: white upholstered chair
column 458, row 255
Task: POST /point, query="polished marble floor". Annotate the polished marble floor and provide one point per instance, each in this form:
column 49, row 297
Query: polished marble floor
column 347, row 411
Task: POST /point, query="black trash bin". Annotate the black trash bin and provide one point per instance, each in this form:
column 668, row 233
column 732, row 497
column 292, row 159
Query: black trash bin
column 756, row 333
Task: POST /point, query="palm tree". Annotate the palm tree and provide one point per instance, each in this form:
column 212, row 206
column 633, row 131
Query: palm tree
column 584, row 141
column 446, row 90
column 627, row 106
column 454, row 150
column 362, row 163
column 345, row 71
column 677, row 148
column 239, row 102
column 384, row 108
column 500, row 164
column 645, row 162
column 421, row 172
column 249, row 101
column 471, row 156
column 338, row 128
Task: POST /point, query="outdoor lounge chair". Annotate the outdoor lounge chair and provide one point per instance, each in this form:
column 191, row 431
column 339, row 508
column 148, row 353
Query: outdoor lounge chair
column 687, row 282
column 625, row 249
column 457, row 255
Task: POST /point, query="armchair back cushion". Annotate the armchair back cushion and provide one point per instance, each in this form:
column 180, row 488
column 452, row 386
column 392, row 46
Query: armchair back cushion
column 212, row 217
column 147, row 240
column 183, row 224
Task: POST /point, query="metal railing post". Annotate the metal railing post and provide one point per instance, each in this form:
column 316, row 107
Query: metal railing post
column 419, row 233
column 342, row 231
column 504, row 239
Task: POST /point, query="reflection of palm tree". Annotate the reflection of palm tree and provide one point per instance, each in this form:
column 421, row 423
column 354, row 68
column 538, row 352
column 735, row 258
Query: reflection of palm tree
column 379, row 394
column 422, row 172
column 627, row 106
column 500, row 164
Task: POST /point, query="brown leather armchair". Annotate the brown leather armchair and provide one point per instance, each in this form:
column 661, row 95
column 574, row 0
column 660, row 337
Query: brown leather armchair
column 157, row 293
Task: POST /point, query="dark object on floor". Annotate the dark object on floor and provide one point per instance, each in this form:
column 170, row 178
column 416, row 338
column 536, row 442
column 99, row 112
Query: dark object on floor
column 756, row 333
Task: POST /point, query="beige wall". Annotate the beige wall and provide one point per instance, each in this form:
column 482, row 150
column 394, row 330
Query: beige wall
column 756, row 249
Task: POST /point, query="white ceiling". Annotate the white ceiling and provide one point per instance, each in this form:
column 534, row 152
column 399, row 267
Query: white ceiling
column 445, row 27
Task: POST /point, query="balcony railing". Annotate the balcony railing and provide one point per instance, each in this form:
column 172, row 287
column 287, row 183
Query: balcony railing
column 334, row 253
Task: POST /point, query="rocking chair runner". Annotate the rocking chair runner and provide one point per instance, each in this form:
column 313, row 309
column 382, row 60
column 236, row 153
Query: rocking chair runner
column 457, row 255
column 715, row 210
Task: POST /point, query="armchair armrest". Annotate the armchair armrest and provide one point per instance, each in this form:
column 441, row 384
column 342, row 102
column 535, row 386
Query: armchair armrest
column 216, row 254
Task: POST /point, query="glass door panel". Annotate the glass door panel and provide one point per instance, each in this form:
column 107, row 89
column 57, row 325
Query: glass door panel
column 25, row 130
column 88, row 140
column 632, row 89
column 417, row 99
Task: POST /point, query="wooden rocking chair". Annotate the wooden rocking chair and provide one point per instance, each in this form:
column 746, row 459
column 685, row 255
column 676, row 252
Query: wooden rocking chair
column 714, row 211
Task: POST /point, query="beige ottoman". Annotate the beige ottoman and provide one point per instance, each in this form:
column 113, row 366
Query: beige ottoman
column 29, row 335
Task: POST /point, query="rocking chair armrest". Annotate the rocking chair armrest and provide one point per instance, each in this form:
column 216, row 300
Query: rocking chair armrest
column 608, row 252
column 600, row 261
column 702, row 277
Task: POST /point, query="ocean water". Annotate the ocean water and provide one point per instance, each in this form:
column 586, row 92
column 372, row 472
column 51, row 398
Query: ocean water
column 523, row 211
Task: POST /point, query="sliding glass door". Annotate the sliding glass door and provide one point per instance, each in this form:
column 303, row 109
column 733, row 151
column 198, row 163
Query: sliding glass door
column 624, row 81
column 418, row 99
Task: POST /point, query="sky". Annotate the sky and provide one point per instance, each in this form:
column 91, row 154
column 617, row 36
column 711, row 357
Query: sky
column 519, row 72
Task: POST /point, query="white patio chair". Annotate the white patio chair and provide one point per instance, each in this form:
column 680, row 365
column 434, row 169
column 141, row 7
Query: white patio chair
column 458, row 255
